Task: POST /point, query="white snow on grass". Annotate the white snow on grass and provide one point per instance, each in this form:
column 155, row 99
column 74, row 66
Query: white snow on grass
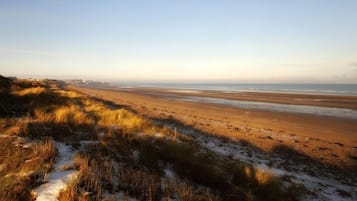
column 169, row 173
column 325, row 186
column 59, row 177
column 136, row 155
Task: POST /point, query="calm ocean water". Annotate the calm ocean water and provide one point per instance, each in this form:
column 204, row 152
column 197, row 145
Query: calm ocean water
column 338, row 89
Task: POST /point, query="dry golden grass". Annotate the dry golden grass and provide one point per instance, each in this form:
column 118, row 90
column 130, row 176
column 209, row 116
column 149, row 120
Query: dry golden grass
column 46, row 151
column 203, row 169
column 202, row 175
column 23, row 165
column 64, row 115
column 263, row 177
column 97, row 176
column 89, row 112
column 69, row 94
column 258, row 176
column 88, row 179
column 14, row 126
column 121, row 118
column 93, row 106
column 30, row 91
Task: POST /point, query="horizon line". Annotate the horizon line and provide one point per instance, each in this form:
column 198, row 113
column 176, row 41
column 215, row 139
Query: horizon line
column 174, row 81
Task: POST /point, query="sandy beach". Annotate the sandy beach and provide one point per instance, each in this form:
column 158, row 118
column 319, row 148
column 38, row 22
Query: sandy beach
column 336, row 101
column 178, row 101
column 326, row 140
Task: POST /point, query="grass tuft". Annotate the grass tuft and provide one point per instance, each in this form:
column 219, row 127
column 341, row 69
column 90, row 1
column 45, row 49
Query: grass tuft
column 31, row 91
column 23, row 166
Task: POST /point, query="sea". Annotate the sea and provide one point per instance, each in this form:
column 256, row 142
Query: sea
column 331, row 89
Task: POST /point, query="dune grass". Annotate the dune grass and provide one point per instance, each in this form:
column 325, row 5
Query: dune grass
column 64, row 115
column 130, row 149
column 31, row 91
column 23, row 166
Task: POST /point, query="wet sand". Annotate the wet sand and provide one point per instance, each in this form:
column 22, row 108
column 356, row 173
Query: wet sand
column 282, row 98
column 329, row 140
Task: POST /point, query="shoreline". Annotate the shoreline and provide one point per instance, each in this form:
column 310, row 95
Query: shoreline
column 249, row 88
column 312, row 151
column 329, row 140
column 322, row 100
column 288, row 98
column 276, row 107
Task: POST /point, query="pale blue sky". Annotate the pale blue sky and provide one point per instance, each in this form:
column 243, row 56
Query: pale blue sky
column 243, row 41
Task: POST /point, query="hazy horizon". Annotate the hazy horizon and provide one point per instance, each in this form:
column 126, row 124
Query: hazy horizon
column 181, row 41
column 177, row 81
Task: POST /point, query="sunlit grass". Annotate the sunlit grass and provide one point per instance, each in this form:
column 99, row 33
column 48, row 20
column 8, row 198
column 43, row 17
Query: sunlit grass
column 64, row 115
column 69, row 94
column 201, row 174
column 122, row 119
column 31, row 91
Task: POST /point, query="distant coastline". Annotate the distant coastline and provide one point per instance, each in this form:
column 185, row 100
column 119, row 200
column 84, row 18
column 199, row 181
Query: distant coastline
column 322, row 89
column 321, row 104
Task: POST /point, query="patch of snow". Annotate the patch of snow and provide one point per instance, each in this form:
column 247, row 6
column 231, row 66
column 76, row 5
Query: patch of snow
column 28, row 145
column 136, row 155
column 325, row 187
column 59, row 178
column 169, row 173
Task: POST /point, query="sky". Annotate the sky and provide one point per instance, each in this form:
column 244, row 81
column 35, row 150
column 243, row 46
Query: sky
column 275, row 41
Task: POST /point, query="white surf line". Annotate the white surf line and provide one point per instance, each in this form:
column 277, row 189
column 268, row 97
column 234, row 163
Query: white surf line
column 59, row 178
column 278, row 107
column 325, row 187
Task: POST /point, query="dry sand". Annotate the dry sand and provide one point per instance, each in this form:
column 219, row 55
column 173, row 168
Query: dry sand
column 327, row 140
